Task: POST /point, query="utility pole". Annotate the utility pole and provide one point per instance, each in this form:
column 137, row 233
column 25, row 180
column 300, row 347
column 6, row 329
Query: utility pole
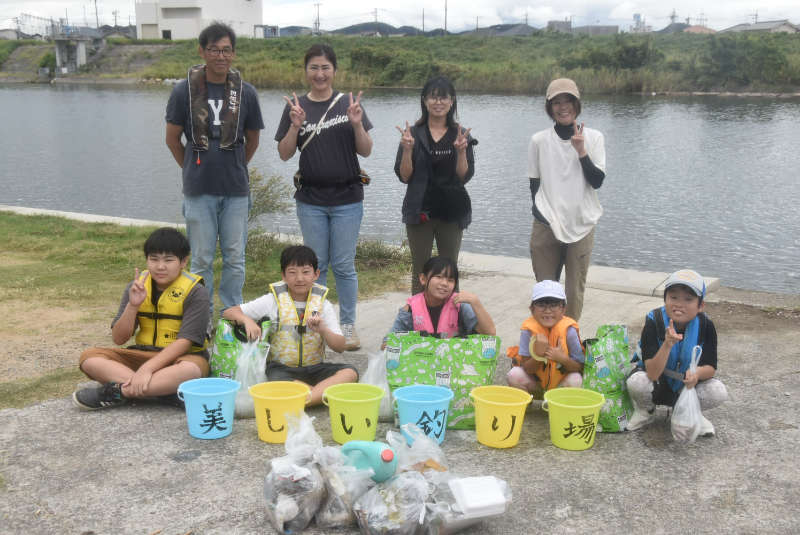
column 316, row 22
column 445, row 16
column 673, row 16
column 96, row 16
column 115, row 13
column 526, row 17
column 423, row 20
column 476, row 24
column 755, row 17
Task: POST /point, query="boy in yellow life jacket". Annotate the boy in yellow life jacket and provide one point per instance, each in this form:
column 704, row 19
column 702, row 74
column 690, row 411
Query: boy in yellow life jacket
column 167, row 308
column 306, row 322
column 550, row 353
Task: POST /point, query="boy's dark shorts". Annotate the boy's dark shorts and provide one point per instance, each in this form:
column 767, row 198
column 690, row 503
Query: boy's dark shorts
column 311, row 375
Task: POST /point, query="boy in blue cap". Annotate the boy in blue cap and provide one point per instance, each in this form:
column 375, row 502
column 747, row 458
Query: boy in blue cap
column 669, row 336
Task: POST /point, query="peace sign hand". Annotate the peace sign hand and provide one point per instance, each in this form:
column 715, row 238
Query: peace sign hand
column 577, row 139
column 354, row 111
column 137, row 292
column 460, row 143
column 406, row 139
column 296, row 113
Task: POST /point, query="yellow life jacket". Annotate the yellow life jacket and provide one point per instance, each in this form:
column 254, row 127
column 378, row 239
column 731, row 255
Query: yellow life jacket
column 292, row 344
column 549, row 373
column 159, row 324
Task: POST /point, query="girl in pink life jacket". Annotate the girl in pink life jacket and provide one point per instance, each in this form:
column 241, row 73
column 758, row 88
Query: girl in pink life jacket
column 437, row 310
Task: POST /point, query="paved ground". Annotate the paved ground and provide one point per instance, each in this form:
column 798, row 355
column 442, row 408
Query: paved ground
column 136, row 469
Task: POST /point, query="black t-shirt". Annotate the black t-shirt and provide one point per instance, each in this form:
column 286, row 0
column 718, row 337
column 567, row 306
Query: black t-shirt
column 662, row 392
column 221, row 172
column 330, row 156
column 439, row 200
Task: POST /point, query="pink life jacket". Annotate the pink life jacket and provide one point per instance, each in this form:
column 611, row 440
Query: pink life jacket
column 448, row 319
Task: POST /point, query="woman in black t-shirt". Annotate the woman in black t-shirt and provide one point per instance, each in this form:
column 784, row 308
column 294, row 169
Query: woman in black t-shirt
column 330, row 130
column 435, row 158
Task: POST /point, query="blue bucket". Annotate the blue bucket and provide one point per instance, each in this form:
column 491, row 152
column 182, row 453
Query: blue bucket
column 209, row 406
column 425, row 406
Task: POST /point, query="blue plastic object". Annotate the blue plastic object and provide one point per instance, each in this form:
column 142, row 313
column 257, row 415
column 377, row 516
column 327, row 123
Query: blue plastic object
column 209, row 406
column 365, row 454
column 425, row 406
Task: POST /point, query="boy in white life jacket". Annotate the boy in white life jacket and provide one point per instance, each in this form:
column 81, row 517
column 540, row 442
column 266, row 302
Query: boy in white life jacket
column 306, row 322
column 668, row 339
column 550, row 353
column 167, row 307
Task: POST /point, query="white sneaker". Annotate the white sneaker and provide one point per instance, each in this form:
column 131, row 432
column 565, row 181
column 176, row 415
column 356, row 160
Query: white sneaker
column 640, row 418
column 706, row 428
column 351, row 339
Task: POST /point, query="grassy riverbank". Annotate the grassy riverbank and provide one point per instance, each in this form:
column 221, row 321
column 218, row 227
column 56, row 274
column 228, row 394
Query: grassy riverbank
column 601, row 64
column 61, row 281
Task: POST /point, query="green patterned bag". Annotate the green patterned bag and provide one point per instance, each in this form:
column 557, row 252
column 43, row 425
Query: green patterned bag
column 606, row 369
column 228, row 342
column 460, row 364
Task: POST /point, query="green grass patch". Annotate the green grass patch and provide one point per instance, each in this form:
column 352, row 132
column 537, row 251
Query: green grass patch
column 58, row 384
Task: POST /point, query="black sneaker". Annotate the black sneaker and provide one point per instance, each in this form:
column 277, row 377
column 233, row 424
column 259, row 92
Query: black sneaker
column 171, row 400
column 101, row 397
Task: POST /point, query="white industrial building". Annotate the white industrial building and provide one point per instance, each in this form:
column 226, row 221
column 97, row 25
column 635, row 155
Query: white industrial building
column 185, row 19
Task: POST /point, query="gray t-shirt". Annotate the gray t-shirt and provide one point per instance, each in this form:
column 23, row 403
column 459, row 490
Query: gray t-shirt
column 221, row 172
column 193, row 325
column 331, row 156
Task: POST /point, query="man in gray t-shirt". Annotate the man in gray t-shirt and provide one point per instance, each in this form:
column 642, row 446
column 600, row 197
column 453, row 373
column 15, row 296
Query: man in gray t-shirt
column 220, row 118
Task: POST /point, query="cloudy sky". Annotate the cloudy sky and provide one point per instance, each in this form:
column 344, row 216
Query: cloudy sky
column 461, row 14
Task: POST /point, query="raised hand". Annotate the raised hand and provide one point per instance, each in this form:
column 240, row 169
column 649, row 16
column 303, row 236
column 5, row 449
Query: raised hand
column 314, row 323
column 672, row 336
column 137, row 292
column 406, row 139
column 460, row 143
column 577, row 139
column 354, row 111
column 296, row 112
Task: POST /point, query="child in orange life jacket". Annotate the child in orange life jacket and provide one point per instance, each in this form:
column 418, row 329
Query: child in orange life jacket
column 550, row 353
column 306, row 323
column 440, row 312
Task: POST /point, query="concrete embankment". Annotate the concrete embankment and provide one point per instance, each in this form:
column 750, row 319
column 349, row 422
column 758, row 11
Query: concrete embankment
column 135, row 469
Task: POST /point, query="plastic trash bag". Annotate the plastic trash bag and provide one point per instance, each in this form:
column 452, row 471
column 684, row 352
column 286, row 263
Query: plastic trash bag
column 423, row 454
column 294, row 488
column 687, row 418
column 394, row 507
column 444, row 514
column 376, row 375
column 251, row 365
column 344, row 484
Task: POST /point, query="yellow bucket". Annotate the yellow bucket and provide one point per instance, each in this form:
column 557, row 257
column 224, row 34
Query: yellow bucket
column 273, row 400
column 499, row 412
column 573, row 416
column 354, row 410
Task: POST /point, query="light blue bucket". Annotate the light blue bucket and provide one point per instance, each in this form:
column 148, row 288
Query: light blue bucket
column 425, row 406
column 209, row 406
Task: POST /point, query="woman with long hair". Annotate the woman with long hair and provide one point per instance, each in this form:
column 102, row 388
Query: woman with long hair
column 435, row 159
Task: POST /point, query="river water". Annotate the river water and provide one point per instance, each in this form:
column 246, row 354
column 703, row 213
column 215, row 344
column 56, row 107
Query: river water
column 710, row 183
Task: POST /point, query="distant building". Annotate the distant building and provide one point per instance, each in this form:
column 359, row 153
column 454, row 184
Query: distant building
column 772, row 26
column 185, row 19
column 640, row 24
column 265, row 31
column 564, row 26
column 595, row 30
column 9, row 34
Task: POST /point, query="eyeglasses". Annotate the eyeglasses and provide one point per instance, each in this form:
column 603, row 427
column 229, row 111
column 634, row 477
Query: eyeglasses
column 548, row 304
column 225, row 52
column 438, row 98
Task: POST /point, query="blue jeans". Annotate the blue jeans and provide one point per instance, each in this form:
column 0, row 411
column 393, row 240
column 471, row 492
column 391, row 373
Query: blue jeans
column 332, row 232
column 209, row 217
